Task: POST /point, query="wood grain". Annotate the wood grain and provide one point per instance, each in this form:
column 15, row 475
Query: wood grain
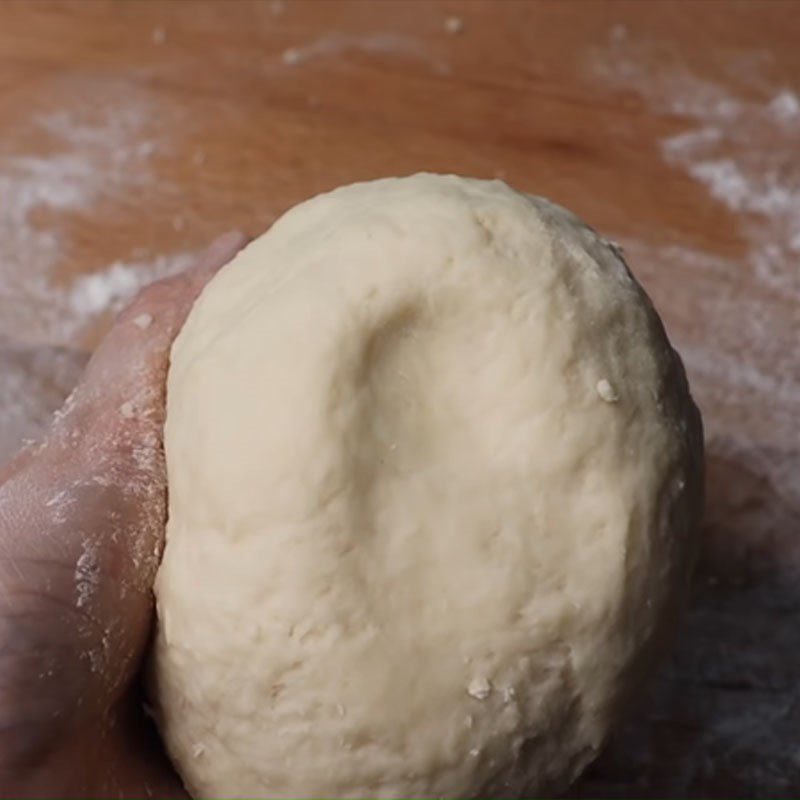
column 252, row 107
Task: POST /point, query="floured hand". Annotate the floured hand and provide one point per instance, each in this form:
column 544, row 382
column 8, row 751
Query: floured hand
column 81, row 529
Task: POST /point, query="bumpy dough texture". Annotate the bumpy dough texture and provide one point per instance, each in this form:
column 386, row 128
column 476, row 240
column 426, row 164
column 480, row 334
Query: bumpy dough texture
column 434, row 475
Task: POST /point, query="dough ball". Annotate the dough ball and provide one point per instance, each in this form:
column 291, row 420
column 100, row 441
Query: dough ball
column 435, row 476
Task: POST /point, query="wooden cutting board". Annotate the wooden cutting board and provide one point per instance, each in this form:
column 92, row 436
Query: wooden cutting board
column 132, row 133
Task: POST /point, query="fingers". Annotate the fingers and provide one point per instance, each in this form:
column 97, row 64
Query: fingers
column 125, row 379
column 174, row 296
column 145, row 330
column 221, row 251
column 82, row 524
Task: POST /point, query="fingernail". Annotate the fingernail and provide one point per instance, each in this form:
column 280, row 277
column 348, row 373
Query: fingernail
column 219, row 253
column 231, row 240
column 226, row 246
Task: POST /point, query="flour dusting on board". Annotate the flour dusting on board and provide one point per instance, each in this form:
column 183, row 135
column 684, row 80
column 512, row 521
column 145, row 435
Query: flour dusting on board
column 77, row 157
column 381, row 43
column 88, row 155
column 742, row 149
column 110, row 289
column 747, row 160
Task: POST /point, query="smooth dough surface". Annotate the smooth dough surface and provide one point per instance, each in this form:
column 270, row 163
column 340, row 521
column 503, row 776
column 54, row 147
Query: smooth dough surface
column 434, row 480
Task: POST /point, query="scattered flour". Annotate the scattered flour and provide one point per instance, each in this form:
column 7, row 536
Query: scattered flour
column 743, row 150
column 87, row 575
column 91, row 151
column 381, row 44
column 454, row 25
column 109, row 290
column 34, row 381
column 785, row 107
column 291, row 56
column 77, row 157
column 59, row 505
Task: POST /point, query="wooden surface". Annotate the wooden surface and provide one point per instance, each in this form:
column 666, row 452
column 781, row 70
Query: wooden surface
column 132, row 133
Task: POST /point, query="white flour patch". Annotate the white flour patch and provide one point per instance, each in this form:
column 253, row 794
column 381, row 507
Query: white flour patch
column 87, row 575
column 33, row 383
column 78, row 156
column 109, row 290
column 381, row 44
column 86, row 153
column 453, row 25
column 93, row 149
column 785, row 107
column 60, row 504
column 742, row 149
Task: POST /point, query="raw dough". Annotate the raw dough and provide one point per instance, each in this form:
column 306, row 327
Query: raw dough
column 435, row 476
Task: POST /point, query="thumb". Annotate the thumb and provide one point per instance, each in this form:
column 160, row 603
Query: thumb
column 125, row 379
column 82, row 516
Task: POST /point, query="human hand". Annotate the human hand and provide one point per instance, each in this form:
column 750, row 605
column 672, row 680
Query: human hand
column 81, row 530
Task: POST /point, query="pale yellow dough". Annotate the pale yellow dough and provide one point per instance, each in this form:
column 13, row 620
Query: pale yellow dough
column 434, row 479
